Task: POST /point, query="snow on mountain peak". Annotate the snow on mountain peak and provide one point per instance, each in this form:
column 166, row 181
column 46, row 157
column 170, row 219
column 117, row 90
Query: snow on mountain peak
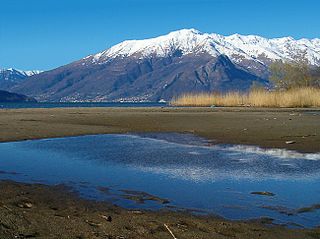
column 33, row 72
column 186, row 41
column 235, row 46
column 21, row 72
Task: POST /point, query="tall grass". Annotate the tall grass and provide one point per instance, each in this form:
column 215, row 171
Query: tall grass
column 297, row 97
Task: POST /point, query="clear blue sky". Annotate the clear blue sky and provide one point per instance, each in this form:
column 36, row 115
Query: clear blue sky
column 43, row 34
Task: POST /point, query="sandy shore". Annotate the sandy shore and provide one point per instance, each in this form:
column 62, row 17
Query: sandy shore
column 263, row 127
column 38, row 211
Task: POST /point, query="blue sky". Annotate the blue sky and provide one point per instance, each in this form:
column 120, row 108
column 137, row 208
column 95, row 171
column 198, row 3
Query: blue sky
column 44, row 34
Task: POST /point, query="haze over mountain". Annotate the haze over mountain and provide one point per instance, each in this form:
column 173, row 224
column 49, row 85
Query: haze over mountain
column 167, row 66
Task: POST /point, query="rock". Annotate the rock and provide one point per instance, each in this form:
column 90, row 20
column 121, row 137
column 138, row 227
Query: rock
column 290, row 142
column 108, row 218
column 25, row 205
column 28, row 205
column 264, row 193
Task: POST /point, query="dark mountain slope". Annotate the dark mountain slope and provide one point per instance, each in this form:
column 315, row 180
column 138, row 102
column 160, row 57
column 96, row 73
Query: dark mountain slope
column 133, row 79
column 6, row 96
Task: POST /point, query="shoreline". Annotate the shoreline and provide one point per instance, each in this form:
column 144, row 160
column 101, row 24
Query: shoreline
column 42, row 211
column 266, row 128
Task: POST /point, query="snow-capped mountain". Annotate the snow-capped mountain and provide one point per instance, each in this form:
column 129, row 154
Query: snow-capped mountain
column 13, row 71
column 10, row 77
column 30, row 73
column 236, row 47
column 164, row 67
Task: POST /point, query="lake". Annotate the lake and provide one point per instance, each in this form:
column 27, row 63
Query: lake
column 78, row 104
column 176, row 171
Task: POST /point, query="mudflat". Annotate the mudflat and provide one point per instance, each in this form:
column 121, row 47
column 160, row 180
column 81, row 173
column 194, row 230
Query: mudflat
column 296, row 129
column 40, row 211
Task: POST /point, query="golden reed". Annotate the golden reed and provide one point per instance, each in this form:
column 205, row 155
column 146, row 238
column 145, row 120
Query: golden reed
column 297, row 97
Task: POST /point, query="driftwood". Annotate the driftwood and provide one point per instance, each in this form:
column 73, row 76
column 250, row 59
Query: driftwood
column 174, row 237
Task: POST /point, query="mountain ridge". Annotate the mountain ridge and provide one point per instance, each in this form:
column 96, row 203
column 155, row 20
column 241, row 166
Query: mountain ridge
column 164, row 67
column 10, row 77
column 22, row 72
column 192, row 40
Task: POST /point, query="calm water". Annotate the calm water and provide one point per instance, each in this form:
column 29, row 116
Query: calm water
column 184, row 169
column 81, row 104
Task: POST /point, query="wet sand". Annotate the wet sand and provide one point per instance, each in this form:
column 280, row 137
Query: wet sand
column 264, row 127
column 38, row 211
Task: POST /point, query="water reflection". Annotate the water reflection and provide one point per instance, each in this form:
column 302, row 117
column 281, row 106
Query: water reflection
column 189, row 171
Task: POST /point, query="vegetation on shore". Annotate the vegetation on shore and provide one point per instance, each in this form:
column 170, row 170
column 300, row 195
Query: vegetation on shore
column 296, row 97
column 294, row 84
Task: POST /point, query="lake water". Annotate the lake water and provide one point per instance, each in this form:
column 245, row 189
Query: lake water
column 190, row 172
column 78, row 104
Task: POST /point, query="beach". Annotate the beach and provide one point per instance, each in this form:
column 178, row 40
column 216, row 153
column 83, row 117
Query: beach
column 42, row 211
column 38, row 211
column 267, row 128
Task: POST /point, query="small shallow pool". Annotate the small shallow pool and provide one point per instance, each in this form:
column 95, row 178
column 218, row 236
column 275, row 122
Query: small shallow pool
column 177, row 171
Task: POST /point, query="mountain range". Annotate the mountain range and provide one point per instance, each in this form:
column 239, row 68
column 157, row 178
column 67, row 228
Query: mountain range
column 11, row 77
column 164, row 67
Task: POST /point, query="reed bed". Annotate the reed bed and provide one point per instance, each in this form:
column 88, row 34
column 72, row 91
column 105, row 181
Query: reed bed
column 297, row 97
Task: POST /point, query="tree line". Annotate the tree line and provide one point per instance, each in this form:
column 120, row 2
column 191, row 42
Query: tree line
column 294, row 74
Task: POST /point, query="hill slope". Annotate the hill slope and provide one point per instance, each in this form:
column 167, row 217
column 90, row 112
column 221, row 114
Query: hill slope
column 167, row 66
column 11, row 77
column 6, row 96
